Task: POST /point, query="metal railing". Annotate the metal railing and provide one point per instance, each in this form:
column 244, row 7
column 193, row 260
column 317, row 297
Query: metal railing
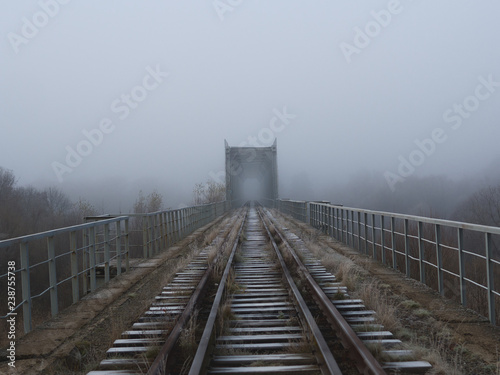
column 457, row 259
column 151, row 232
column 48, row 264
column 71, row 255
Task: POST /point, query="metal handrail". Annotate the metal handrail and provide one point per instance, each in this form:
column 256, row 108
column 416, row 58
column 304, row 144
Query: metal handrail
column 93, row 245
column 375, row 233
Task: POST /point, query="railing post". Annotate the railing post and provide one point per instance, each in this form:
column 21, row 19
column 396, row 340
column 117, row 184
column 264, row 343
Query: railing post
column 393, row 243
column 365, row 216
column 171, row 228
column 407, row 249
column 382, row 238
column 118, row 245
column 85, row 256
column 75, row 285
column 331, row 222
column 352, row 228
column 490, row 278
column 157, row 232
column 144, row 236
column 461, row 263
column 358, row 218
column 149, row 221
column 163, row 243
column 421, row 263
column 127, row 246
column 106, row 253
column 308, row 213
column 439, row 259
column 177, row 225
column 341, row 225
column 26, row 287
column 52, row 276
column 92, row 248
column 374, row 242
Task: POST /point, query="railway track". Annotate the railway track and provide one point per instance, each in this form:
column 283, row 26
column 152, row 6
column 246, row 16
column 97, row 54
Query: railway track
column 258, row 321
column 145, row 346
column 270, row 328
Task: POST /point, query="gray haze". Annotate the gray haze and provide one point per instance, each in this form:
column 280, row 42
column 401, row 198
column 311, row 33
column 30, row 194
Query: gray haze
column 231, row 69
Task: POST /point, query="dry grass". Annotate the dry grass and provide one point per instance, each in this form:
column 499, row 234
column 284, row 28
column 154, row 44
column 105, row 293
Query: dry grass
column 187, row 339
column 376, row 299
column 435, row 346
column 224, row 316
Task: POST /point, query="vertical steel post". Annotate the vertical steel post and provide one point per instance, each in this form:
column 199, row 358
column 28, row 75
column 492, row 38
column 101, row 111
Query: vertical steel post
column 149, row 220
column 144, row 236
column 26, row 286
column 374, row 242
column 490, row 278
column 358, row 218
column 106, row 253
column 92, row 248
column 341, row 225
column 75, row 286
column 461, row 263
column 158, row 235
column 382, row 238
column 407, row 249
column 439, row 259
column 421, row 264
column 163, row 231
column 365, row 216
column 127, row 246
column 118, row 245
column 51, row 252
column 352, row 228
column 85, row 256
column 393, row 243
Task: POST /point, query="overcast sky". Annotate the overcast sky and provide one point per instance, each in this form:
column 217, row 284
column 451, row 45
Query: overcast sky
column 345, row 86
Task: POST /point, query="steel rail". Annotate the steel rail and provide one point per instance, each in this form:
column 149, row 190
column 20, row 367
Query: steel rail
column 158, row 365
column 366, row 363
column 201, row 352
column 329, row 360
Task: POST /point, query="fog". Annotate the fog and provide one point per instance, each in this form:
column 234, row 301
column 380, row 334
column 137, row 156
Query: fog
column 104, row 98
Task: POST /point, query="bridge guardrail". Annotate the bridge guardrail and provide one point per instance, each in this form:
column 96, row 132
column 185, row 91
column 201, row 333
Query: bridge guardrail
column 439, row 253
column 82, row 242
column 67, row 260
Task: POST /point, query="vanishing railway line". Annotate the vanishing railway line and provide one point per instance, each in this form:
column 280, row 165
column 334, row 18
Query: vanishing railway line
column 257, row 320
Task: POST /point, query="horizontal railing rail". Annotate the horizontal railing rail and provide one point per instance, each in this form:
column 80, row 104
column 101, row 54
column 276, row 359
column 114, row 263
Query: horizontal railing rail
column 64, row 263
column 440, row 253
column 59, row 266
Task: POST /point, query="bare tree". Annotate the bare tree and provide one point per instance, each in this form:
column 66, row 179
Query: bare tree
column 152, row 203
column 482, row 207
column 209, row 192
column 57, row 201
column 84, row 208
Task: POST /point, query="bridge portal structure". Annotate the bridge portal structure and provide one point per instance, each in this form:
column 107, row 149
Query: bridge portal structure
column 251, row 173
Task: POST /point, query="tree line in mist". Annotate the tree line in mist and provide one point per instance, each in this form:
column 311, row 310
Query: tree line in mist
column 26, row 209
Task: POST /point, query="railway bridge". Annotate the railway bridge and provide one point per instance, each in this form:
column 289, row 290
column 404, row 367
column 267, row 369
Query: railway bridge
column 254, row 284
